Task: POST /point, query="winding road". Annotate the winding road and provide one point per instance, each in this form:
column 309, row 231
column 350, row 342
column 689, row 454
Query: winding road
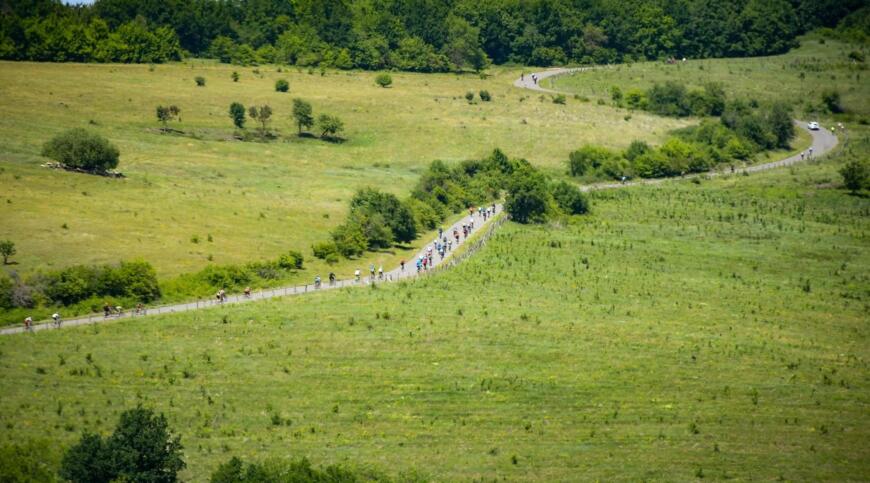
column 823, row 141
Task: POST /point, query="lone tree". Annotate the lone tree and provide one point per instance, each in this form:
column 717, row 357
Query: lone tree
column 237, row 114
column 262, row 115
column 330, row 126
column 7, row 249
column 167, row 113
column 384, row 80
column 855, row 173
column 140, row 449
column 81, row 149
column 303, row 114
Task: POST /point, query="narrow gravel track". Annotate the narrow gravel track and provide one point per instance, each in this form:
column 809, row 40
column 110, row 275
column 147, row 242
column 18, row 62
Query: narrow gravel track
column 823, row 141
column 393, row 275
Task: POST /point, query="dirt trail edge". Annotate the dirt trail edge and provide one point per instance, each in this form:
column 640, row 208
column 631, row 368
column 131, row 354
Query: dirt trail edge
column 823, row 139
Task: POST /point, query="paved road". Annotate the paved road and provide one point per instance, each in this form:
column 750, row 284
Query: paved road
column 393, row 275
column 823, row 140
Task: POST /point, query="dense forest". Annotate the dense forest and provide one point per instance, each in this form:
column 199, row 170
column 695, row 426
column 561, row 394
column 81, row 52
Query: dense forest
column 415, row 35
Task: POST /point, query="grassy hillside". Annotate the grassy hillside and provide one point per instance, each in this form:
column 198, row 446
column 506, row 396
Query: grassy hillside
column 798, row 77
column 256, row 200
column 683, row 330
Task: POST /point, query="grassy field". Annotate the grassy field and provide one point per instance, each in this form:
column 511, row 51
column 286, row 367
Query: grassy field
column 256, row 200
column 683, row 330
column 798, row 77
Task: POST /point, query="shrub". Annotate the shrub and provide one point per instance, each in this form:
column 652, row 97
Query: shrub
column 616, row 95
column 7, row 249
column 281, row 85
column 28, row 461
column 140, row 449
column 395, row 215
column 200, row 81
column 469, row 96
column 527, row 200
column 485, row 96
column 570, row 199
column 668, row 99
column 237, row 114
column 586, row 158
column 235, row 76
column 635, row 99
column 635, row 149
column 167, row 113
column 349, row 240
column 427, row 218
column 303, row 114
column 559, row 99
column 856, row 175
column 70, row 285
column 832, row 101
column 322, row 250
column 228, row 276
column 292, row 260
column 384, row 80
column 82, row 149
column 235, row 471
column 7, row 288
column 329, row 126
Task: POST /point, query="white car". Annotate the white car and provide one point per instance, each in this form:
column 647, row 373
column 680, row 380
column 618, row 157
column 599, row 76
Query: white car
column 813, row 126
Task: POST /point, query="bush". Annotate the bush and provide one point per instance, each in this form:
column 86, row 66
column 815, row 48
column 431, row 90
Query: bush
column 167, row 113
column 856, row 175
column 82, row 149
column 384, row 80
column 635, row 99
column 226, row 277
column 140, row 449
column 200, row 81
column 668, row 99
column 485, row 96
column 137, row 280
column 832, row 101
column 396, row 215
column 7, row 249
column 616, row 95
column 570, row 199
column 559, row 99
column 469, row 96
column 28, row 461
column 235, row 471
column 235, row 76
column 281, row 85
column 237, row 114
column 636, row 149
column 330, row 126
column 349, row 240
column 586, row 158
column 292, row 260
column 322, row 250
column 528, row 198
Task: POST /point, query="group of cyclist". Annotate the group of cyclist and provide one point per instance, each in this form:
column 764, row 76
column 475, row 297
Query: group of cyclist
column 442, row 245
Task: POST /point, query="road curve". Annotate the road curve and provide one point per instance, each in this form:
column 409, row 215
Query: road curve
column 823, row 139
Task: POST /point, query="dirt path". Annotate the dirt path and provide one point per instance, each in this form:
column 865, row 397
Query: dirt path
column 394, row 275
column 823, row 140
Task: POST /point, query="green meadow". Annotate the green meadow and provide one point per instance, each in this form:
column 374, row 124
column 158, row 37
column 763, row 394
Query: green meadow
column 798, row 77
column 686, row 330
column 254, row 200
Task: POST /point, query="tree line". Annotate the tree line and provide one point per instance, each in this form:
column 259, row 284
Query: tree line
column 413, row 35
